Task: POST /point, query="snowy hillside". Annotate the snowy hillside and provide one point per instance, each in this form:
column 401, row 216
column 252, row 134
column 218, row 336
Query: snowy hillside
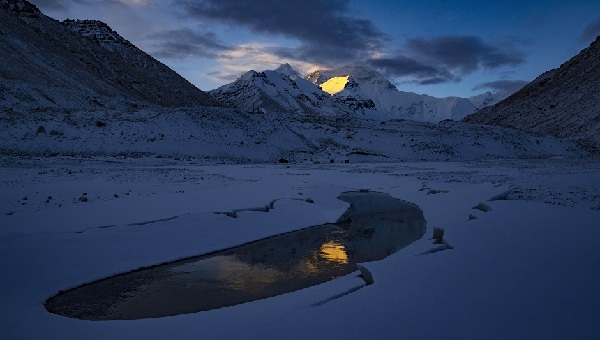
column 280, row 91
column 50, row 67
column 368, row 92
column 563, row 102
column 233, row 136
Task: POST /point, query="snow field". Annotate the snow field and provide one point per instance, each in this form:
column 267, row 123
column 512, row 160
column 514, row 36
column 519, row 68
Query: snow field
column 525, row 269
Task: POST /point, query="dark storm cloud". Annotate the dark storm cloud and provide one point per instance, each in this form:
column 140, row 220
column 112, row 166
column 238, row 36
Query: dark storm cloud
column 184, row 43
column 591, row 31
column 402, row 66
column 509, row 86
column 462, row 54
column 446, row 59
column 323, row 27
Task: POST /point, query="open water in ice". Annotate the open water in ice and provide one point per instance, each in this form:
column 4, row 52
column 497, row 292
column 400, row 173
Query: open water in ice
column 375, row 226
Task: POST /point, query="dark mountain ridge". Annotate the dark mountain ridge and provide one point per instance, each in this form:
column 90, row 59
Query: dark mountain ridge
column 49, row 65
column 563, row 102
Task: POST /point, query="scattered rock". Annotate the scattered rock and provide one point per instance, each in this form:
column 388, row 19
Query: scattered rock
column 483, row 207
column 472, row 217
column 436, row 191
column 365, row 274
column 501, row 197
column 438, row 235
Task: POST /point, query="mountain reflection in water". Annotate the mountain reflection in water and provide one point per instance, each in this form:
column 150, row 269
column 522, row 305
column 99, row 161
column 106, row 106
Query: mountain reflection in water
column 375, row 226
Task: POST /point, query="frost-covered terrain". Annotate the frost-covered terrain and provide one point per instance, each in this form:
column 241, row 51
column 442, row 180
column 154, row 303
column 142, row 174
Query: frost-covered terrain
column 524, row 262
column 232, row 136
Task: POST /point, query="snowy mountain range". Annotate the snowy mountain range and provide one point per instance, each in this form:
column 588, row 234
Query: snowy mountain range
column 563, row 102
column 357, row 90
column 80, row 65
column 367, row 91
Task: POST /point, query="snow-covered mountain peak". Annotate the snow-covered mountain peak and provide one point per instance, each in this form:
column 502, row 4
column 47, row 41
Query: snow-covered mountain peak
column 248, row 75
column 99, row 32
column 366, row 91
column 361, row 74
column 288, row 70
column 275, row 92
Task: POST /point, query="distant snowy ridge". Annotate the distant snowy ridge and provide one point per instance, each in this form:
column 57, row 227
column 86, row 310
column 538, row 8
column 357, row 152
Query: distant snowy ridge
column 563, row 102
column 487, row 99
column 359, row 91
column 370, row 93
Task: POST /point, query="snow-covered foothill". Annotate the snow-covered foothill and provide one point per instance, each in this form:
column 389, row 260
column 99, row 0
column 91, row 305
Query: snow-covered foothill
column 232, row 136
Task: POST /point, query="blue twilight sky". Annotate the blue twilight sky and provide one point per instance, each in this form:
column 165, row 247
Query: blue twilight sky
column 441, row 48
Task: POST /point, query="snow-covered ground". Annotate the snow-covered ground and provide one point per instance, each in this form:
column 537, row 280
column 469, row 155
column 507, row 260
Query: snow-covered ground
column 526, row 269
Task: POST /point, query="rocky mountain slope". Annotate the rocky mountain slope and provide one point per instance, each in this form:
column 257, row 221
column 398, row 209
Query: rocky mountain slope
column 365, row 90
column 80, row 65
column 563, row 102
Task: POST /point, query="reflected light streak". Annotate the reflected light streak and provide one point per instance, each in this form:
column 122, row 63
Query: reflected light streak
column 334, row 252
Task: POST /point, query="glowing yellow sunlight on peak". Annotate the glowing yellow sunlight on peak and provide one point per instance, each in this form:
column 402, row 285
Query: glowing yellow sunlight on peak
column 334, row 85
column 334, row 252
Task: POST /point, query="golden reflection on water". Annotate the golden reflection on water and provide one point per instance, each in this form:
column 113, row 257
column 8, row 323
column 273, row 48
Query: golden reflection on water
column 334, row 252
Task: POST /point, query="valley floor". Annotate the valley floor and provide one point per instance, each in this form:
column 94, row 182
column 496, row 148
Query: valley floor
column 528, row 268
